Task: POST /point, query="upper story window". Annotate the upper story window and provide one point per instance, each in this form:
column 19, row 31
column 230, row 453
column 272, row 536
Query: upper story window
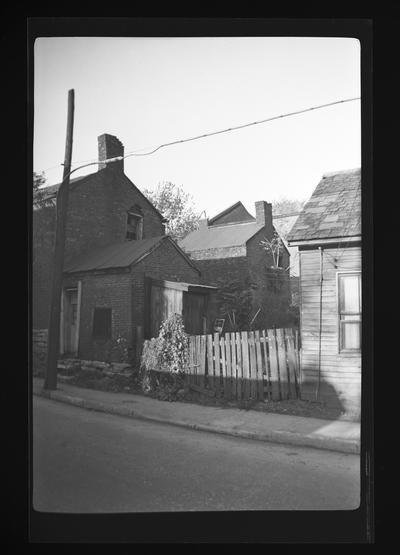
column 349, row 297
column 134, row 226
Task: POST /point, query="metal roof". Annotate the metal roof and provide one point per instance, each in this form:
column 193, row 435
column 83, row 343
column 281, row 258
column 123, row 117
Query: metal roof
column 228, row 235
column 334, row 209
column 118, row 255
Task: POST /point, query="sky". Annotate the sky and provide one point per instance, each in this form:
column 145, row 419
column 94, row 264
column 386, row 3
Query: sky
column 149, row 91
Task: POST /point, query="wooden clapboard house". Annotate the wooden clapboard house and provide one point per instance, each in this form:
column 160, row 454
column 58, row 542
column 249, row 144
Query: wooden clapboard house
column 328, row 236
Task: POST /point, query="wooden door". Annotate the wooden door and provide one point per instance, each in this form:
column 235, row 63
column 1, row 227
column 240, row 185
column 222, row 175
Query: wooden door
column 163, row 303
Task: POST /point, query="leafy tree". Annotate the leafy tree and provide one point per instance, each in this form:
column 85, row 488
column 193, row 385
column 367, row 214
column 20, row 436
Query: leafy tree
column 176, row 206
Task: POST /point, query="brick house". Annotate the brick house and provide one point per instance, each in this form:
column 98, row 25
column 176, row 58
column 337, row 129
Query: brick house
column 328, row 236
column 227, row 250
column 115, row 246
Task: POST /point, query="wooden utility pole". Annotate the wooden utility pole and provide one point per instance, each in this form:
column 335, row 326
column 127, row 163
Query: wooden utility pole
column 53, row 346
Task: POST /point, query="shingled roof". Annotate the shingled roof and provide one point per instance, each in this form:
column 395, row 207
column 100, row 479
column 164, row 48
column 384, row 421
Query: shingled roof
column 333, row 211
column 229, row 235
column 118, row 255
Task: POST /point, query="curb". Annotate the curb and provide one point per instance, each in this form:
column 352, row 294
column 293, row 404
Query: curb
column 279, row 436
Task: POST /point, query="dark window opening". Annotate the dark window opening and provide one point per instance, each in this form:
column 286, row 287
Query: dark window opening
column 134, row 227
column 349, row 291
column 102, row 323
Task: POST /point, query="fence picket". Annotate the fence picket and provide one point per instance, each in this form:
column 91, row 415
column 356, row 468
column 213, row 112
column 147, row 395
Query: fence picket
column 228, row 379
column 253, row 366
column 202, row 362
column 217, row 367
column 275, row 385
column 260, row 381
column 239, row 367
column 192, row 359
column 267, row 379
column 233, row 366
column 246, row 369
column 223, row 365
column 210, row 362
column 283, row 376
column 291, row 363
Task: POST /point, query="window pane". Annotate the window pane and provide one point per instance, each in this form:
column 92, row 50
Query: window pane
column 102, row 323
column 350, row 294
column 351, row 338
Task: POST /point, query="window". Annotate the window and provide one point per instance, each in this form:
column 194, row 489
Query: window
column 134, row 227
column 102, row 323
column 349, row 292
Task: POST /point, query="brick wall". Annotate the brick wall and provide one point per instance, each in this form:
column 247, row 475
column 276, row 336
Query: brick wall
column 96, row 217
column 97, row 212
column 271, row 290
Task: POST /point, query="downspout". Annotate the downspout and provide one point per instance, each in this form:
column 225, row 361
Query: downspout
column 320, row 321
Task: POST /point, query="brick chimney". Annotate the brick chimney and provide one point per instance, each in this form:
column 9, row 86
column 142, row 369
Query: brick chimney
column 264, row 215
column 109, row 147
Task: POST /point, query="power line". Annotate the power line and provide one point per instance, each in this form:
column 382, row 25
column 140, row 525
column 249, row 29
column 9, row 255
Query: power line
column 212, row 133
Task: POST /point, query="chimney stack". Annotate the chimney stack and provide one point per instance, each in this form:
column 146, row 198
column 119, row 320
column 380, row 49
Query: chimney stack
column 110, row 147
column 264, row 215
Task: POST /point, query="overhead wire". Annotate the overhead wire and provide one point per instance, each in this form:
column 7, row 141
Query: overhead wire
column 213, row 133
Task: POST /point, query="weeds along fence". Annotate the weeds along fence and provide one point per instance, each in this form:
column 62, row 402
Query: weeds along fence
column 248, row 365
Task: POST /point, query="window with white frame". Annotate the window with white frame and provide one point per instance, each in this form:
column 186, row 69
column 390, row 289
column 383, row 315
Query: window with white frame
column 349, row 303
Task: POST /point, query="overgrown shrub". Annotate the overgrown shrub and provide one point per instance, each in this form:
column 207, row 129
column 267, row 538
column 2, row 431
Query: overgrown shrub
column 164, row 360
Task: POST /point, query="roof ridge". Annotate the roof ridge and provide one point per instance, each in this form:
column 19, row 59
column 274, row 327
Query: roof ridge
column 341, row 172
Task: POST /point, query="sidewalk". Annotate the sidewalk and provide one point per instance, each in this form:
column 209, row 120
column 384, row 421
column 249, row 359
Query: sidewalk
column 336, row 435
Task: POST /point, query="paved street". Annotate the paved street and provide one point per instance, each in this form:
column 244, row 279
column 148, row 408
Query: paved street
column 87, row 461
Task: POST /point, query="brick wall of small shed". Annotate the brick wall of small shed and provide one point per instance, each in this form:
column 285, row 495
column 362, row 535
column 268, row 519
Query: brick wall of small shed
column 340, row 373
column 103, row 290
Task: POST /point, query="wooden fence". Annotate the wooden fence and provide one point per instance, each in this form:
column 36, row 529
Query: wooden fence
column 246, row 365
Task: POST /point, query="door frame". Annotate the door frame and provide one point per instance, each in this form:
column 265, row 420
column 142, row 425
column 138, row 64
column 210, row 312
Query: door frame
column 64, row 293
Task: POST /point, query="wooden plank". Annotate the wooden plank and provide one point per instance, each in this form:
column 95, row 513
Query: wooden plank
column 267, row 380
column 197, row 360
column 223, row 364
column 191, row 361
column 217, row 366
column 253, row 366
column 239, row 367
column 210, row 362
column 233, row 366
column 291, row 356
column 283, row 377
column 273, row 362
column 228, row 379
column 260, row 381
column 202, row 367
column 245, row 366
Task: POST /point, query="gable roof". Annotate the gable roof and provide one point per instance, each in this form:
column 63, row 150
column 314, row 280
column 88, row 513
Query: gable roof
column 228, row 235
column 334, row 209
column 51, row 190
column 233, row 214
column 118, row 255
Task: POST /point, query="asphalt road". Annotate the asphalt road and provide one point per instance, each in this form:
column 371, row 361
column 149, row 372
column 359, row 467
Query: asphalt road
column 86, row 461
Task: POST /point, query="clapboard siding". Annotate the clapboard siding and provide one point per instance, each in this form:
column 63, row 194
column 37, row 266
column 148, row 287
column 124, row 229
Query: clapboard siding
column 340, row 373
